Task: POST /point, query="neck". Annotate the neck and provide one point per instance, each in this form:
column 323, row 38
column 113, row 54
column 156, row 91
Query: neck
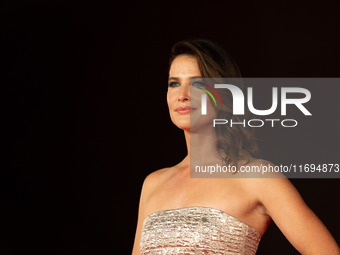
column 201, row 147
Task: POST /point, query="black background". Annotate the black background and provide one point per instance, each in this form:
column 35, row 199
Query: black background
column 84, row 117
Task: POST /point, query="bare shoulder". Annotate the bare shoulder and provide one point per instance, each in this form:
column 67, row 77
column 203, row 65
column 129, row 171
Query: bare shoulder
column 270, row 183
column 260, row 168
column 266, row 177
column 154, row 180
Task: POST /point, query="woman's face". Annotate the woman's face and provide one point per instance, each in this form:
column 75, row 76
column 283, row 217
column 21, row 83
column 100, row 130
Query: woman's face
column 182, row 106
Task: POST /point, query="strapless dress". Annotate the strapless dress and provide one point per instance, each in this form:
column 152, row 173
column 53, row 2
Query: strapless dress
column 197, row 230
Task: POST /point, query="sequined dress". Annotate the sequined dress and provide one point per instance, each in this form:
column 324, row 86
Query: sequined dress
column 197, row 230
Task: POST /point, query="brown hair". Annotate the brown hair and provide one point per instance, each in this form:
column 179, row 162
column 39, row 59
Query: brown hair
column 237, row 143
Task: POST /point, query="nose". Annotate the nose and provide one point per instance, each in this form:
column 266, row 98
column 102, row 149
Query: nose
column 184, row 94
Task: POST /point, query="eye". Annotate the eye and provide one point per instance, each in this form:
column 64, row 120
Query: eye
column 197, row 84
column 173, row 84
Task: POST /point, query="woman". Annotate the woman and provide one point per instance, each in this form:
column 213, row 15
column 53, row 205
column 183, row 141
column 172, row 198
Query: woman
column 183, row 215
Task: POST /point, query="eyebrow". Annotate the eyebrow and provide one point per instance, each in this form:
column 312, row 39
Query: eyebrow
column 176, row 78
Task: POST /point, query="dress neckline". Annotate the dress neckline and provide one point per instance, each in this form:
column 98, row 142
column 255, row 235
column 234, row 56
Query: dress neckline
column 208, row 208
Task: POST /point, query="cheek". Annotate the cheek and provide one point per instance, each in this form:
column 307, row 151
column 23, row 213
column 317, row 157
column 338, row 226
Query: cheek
column 195, row 98
column 170, row 98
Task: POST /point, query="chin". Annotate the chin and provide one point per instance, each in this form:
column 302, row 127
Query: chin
column 183, row 124
column 184, row 127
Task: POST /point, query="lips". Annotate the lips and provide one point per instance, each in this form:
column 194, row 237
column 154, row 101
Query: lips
column 185, row 109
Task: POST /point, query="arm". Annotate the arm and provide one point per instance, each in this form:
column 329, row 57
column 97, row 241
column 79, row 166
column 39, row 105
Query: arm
column 141, row 216
column 148, row 186
column 295, row 219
